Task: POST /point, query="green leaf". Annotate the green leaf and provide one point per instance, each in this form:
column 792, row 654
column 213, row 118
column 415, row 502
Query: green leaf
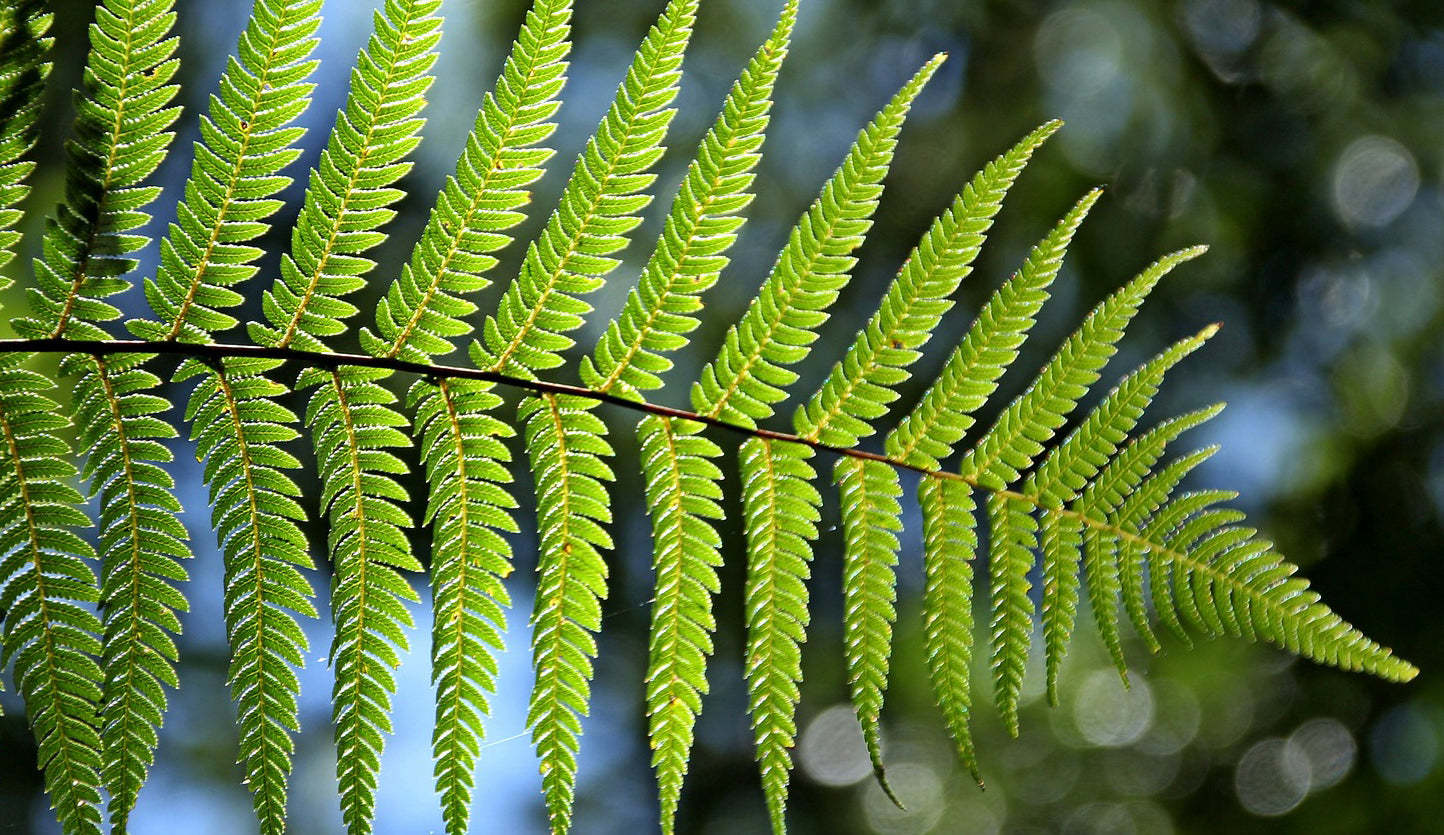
column 353, row 185
column 598, row 209
column 746, row 378
column 355, row 430
column 683, row 500
column 931, row 431
column 565, row 446
column 46, row 588
column 870, row 522
column 424, row 310
column 469, row 506
column 780, row 515
column 1018, row 435
column 24, row 66
column 121, row 137
column 950, row 542
column 1012, row 538
column 141, row 544
column 247, row 139
column 701, row 227
column 860, row 387
column 238, row 428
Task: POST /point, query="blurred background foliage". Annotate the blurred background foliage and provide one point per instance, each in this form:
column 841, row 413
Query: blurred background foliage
column 1301, row 141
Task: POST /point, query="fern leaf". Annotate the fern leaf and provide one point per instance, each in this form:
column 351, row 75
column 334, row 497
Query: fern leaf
column 46, row 586
column 1227, row 580
column 1120, row 479
column 1013, row 536
column 141, row 544
column 945, row 412
column 353, row 423
column 565, row 447
column 777, row 330
column 352, row 187
column 423, row 311
column 238, row 428
column 462, row 443
column 570, row 259
column 1064, row 473
column 683, row 485
column 1061, row 543
column 862, row 385
column 247, row 140
column 598, row 208
column 1018, row 435
column 950, row 541
column 870, row 519
column 121, row 138
column 24, row 49
column 468, row 507
column 354, row 430
column 700, row 228
column 683, row 497
column 1071, row 465
column 780, row 514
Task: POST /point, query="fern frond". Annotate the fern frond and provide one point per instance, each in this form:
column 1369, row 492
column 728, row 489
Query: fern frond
column 1061, row 544
column 121, row 137
column 565, row 447
column 950, row 541
column 700, row 228
column 468, row 506
column 683, row 485
column 461, row 442
column 780, row 515
column 247, row 140
column 238, row 427
column 945, row 413
column 779, row 327
column 352, row 187
column 1228, row 580
column 598, row 208
column 141, row 545
column 683, row 499
column 423, row 311
column 1061, row 477
column 354, row 430
column 1018, row 435
column 24, row 49
column 1115, row 486
column 353, row 423
column 1012, row 538
column 565, row 443
column 1071, row 465
column 870, row 521
column 860, row 387
column 46, row 588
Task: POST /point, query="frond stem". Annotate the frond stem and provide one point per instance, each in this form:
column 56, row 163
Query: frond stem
column 213, row 352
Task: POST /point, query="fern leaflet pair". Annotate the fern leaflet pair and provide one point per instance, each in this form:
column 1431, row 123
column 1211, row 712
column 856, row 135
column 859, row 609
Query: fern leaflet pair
column 1101, row 509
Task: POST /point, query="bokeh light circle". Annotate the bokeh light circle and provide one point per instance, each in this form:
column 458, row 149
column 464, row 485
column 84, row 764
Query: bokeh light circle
column 919, row 787
column 1329, row 748
column 1271, row 778
column 1375, row 180
column 1108, row 715
column 832, row 751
